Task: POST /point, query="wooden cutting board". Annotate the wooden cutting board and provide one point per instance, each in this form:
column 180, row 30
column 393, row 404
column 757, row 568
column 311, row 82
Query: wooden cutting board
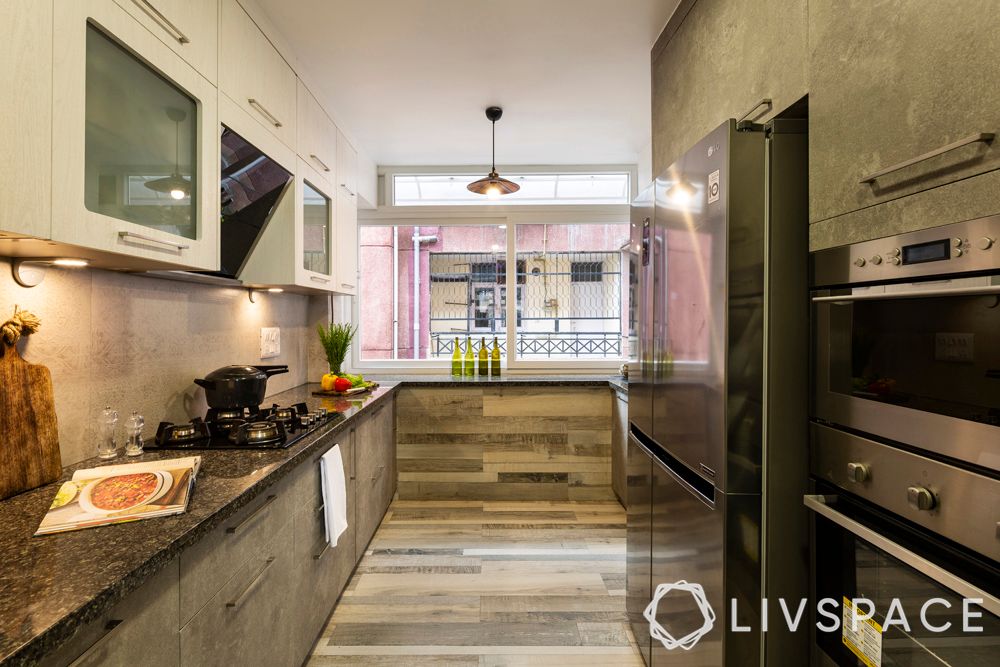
column 29, row 437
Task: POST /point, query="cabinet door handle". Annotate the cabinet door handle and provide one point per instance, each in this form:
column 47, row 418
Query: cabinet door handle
column 264, row 112
column 318, row 279
column 348, row 285
column 982, row 137
column 110, row 630
column 764, row 102
column 322, row 553
column 245, row 593
column 349, row 191
column 233, row 530
column 319, row 162
column 163, row 21
column 320, row 508
column 149, row 239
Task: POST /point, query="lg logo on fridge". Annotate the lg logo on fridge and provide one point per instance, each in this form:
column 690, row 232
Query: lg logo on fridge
column 688, row 641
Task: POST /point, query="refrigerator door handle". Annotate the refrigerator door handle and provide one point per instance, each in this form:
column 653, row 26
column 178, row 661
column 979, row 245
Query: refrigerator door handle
column 667, row 462
column 821, row 505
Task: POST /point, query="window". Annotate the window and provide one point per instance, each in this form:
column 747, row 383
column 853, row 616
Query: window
column 428, row 285
column 565, row 188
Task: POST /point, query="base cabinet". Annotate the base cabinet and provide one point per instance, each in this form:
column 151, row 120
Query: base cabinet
column 375, row 457
column 619, row 445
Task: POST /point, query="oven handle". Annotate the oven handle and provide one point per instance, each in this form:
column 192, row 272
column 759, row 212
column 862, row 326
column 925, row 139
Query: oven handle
column 821, row 505
column 914, row 294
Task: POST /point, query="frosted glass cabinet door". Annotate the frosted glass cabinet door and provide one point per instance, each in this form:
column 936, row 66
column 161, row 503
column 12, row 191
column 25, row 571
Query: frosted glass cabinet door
column 135, row 142
column 316, row 228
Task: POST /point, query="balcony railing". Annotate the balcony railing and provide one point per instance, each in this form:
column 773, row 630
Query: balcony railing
column 535, row 345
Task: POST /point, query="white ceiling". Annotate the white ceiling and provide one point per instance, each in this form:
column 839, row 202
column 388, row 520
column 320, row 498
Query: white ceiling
column 409, row 79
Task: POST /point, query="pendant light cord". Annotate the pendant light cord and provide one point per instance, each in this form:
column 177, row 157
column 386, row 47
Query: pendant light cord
column 494, row 146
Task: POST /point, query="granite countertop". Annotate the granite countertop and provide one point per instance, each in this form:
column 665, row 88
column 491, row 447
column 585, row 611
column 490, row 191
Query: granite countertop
column 50, row 585
column 435, row 380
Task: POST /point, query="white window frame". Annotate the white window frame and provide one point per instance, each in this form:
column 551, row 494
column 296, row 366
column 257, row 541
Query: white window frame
column 479, row 215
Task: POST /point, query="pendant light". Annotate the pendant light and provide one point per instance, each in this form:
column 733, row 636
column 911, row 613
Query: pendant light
column 175, row 185
column 493, row 186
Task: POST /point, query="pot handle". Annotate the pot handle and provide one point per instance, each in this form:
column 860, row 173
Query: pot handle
column 273, row 370
column 207, row 384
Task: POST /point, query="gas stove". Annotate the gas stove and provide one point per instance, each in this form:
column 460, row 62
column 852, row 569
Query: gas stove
column 276, row 427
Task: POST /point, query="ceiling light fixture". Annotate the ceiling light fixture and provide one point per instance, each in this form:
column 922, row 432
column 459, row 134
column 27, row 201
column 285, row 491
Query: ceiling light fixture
column 175, row 185
column 493, row 186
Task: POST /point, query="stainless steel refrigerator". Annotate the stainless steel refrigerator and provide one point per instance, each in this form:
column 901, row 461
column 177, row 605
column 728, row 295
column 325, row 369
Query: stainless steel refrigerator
column 717, row 397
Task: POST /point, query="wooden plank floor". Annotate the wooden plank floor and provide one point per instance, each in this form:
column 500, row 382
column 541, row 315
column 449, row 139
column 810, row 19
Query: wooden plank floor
column 488, row 584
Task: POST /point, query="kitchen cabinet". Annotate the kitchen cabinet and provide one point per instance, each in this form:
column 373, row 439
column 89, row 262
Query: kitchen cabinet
column 367, row 182
column 347, row 243
column 189, row 27
column 718, row 58
column 375, row 466
column 135, row 142
column 347, row 165
column 891, row 82
column 619, row 444
column 141, row 629
column 317, row 136
column 254, row 75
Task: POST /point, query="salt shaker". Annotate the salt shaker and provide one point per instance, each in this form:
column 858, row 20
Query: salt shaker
column 107, row 447
column 134, row 427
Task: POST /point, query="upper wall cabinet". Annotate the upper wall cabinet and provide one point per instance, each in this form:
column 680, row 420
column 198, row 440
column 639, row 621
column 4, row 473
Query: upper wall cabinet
column 901, row 101
column 189, row 27
column 347, row 166
column 317, row 135
column 135, row 141
column 254, row 75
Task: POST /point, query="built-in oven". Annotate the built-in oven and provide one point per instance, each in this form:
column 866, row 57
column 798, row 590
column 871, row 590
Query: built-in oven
column 907, row 339
column 905, row 556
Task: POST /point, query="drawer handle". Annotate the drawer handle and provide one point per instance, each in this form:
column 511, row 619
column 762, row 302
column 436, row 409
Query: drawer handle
column 347, row 285
column 149, row 239
column 238, row 602
column 322, row 553
column 320, row 508
column 318, row 279
column 233, row 530
column 110, row 630
column 982, row 137
column 764, row 102
column 165, row 23
column 264, row 112
column 320, row 162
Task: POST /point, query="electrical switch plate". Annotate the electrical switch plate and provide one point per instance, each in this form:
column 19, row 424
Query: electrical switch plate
column 270, row 342
column 959, row 347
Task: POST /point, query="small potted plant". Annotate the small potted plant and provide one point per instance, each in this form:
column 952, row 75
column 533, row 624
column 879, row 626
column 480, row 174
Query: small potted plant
column 336, row 340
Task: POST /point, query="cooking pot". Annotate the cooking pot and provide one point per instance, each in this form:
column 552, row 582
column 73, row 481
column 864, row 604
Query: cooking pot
column 237, row 387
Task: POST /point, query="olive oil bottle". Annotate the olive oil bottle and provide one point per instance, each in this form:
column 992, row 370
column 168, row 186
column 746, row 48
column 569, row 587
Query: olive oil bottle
column 456, row 359
column 495, row 359
column 470, row 360
column 484, row 358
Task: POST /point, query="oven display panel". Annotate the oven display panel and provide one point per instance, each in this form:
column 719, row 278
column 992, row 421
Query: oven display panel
column 932, row 251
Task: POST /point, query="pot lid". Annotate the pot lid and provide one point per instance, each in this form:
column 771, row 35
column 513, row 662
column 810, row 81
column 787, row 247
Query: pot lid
column 236, row 373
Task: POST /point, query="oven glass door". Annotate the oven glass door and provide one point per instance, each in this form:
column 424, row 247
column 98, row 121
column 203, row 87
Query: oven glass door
column 849, row 566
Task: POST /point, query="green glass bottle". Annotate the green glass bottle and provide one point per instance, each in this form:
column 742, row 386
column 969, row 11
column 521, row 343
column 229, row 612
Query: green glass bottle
column 484, row 358
column 495, row 359
column 456, row 359
column 470, row 360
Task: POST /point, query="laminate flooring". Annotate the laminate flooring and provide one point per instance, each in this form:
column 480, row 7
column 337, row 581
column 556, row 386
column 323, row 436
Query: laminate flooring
column 486, row 584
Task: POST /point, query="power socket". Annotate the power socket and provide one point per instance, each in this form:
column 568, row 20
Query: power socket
column 270, row 342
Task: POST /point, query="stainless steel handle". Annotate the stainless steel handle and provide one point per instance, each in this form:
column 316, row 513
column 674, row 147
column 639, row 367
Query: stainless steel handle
column 984, row 137
column 349, row 285
column 245, row 593
column 150, row 239
column 264, row 112
column 319, row 162
column 318, row 279
column 322, row 553
column 110, row 630
column 820, row 505
column 320, row 508
column 233, row 530
column 349, row 191
column 163, row 21
column 766, row 101
column 915, row 294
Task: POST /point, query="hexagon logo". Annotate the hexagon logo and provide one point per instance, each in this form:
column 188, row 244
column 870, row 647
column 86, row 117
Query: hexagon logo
column 688, row 641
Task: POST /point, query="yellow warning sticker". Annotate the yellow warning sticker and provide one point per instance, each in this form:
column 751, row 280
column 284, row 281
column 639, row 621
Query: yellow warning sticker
column 862, row 635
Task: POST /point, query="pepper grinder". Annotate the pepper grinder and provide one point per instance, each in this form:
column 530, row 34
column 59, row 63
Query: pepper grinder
column 107, row 447
column 134, row 426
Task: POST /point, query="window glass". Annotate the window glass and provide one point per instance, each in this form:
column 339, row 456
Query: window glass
column 567, row 188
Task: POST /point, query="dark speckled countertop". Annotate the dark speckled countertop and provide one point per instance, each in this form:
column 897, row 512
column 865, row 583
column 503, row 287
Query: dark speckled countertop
column 50, row 585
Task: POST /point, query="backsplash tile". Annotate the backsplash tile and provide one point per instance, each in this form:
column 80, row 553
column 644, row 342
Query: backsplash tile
column 137, row 343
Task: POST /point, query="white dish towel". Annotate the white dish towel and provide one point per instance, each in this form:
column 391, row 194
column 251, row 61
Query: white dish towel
column 331, row 470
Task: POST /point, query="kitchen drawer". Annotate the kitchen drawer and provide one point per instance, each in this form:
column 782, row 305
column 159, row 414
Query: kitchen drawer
column 248, row 621
column 318, row 579
column 375, row 460
column 208, row 565
column 141, row 629
column 893, row 81
column 189, row 27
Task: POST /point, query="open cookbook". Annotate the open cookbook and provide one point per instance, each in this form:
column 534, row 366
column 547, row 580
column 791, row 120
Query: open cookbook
column 119, row 493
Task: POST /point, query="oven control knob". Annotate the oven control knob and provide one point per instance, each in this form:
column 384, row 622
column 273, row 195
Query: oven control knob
column 893, row 253
column 959, row 252
column 860, row 261
column 895, row 261
column 876, row 259
column 957, row 243
column 985, row 243
column 921, row 498
column 858, row 472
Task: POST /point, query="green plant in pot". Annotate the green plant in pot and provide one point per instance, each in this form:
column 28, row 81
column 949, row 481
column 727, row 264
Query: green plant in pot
column 336, row 340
